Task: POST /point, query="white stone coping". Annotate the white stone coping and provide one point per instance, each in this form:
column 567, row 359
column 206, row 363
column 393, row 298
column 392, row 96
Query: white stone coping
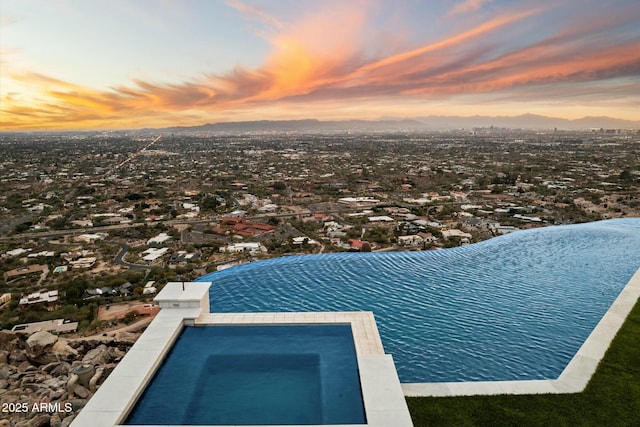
column 574, row 377
column 363, row 325
column 382, row 393
column 183, row 293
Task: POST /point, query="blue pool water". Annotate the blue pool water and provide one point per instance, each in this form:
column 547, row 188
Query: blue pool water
column 514, row 307
column 264, row 375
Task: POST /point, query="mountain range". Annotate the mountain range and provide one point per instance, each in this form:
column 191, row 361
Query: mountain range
column 525, row 121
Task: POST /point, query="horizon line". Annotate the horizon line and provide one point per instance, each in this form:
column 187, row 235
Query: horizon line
column 635, row 123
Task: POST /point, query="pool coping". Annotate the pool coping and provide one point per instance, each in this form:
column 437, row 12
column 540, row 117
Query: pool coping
column 575, row 376
column 187, row 304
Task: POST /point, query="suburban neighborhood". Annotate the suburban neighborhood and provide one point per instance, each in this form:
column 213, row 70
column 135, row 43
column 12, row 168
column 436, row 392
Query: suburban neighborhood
column 99, row 219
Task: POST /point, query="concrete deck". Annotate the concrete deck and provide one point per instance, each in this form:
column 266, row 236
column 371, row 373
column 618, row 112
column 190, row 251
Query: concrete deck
column 574, row 377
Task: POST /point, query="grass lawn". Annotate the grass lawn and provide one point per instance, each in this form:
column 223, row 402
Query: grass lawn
column 612, row 397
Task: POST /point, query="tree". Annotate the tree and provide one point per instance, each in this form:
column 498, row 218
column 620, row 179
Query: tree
column 210, row 203
column 74, row 290
column 129, row 317
column 625, row 175
column 279, row 186
column 21, row 228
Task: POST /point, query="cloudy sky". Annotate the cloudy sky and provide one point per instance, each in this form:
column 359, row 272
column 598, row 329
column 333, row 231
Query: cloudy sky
column 118, row 64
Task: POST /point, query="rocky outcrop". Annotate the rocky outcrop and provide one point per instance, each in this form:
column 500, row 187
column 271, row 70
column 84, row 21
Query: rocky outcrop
column 45, row 380
column 38, row 348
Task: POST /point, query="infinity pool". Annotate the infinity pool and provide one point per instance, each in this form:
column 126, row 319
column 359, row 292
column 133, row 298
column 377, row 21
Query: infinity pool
column 516, row 307
column 262, row 375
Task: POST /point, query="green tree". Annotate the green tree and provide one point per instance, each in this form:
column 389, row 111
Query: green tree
column 210, row 203
column 625, row 176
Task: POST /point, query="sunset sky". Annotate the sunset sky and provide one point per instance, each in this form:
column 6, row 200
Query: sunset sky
column 124, row 64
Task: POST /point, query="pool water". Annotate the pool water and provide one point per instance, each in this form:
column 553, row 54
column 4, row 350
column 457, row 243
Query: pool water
column 262, row 375
column 515, row 307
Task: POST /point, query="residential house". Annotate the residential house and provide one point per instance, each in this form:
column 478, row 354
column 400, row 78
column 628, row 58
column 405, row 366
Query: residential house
column 153, row 254
column 410, row 240
column 357, row 244
column 56, row 326
column 49, row 298
column 160, row 238
column 251, row 247
column 24, row 271
column 105, row 291
column 91, row 237
column 454, row 232
column 87, row 262
column 149, row 289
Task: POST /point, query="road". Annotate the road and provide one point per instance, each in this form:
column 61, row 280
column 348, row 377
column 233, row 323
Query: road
column 169, row 223
column 119, row 259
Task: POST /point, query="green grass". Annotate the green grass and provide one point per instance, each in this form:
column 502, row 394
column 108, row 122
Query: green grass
column 612, row 397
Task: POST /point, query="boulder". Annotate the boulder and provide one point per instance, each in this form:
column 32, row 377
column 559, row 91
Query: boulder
column 115, row 354
column 55, row 383
column 41, row 340
column 6, row 372
column 67, row 421
column 64, row 351
column 50, row 367
column 38, row 347
column 57, row 369
column 77, row 404
column 34, row 378
column 126, row 337
column 26, row 367
column 8, row 340
column 55, row 395
column 62, row 370
column 81, row 392
column 98, row 356
column 17, row 356
column 55, row 420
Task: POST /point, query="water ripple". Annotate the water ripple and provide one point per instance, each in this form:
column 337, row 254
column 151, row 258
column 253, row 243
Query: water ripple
column 514, row 307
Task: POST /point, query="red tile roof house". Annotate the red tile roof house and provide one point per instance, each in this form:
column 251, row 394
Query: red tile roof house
column 252, row 229
column 242, row 227
column 357, row 244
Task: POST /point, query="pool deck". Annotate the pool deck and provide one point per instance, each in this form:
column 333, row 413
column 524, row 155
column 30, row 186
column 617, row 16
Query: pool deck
column 574, row 377
column 188, row 304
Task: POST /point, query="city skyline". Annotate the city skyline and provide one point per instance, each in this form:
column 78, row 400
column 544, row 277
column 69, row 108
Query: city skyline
column 121, row 64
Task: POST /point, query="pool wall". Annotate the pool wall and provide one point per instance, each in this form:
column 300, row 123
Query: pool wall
column 382, row 393
column 574, row 377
